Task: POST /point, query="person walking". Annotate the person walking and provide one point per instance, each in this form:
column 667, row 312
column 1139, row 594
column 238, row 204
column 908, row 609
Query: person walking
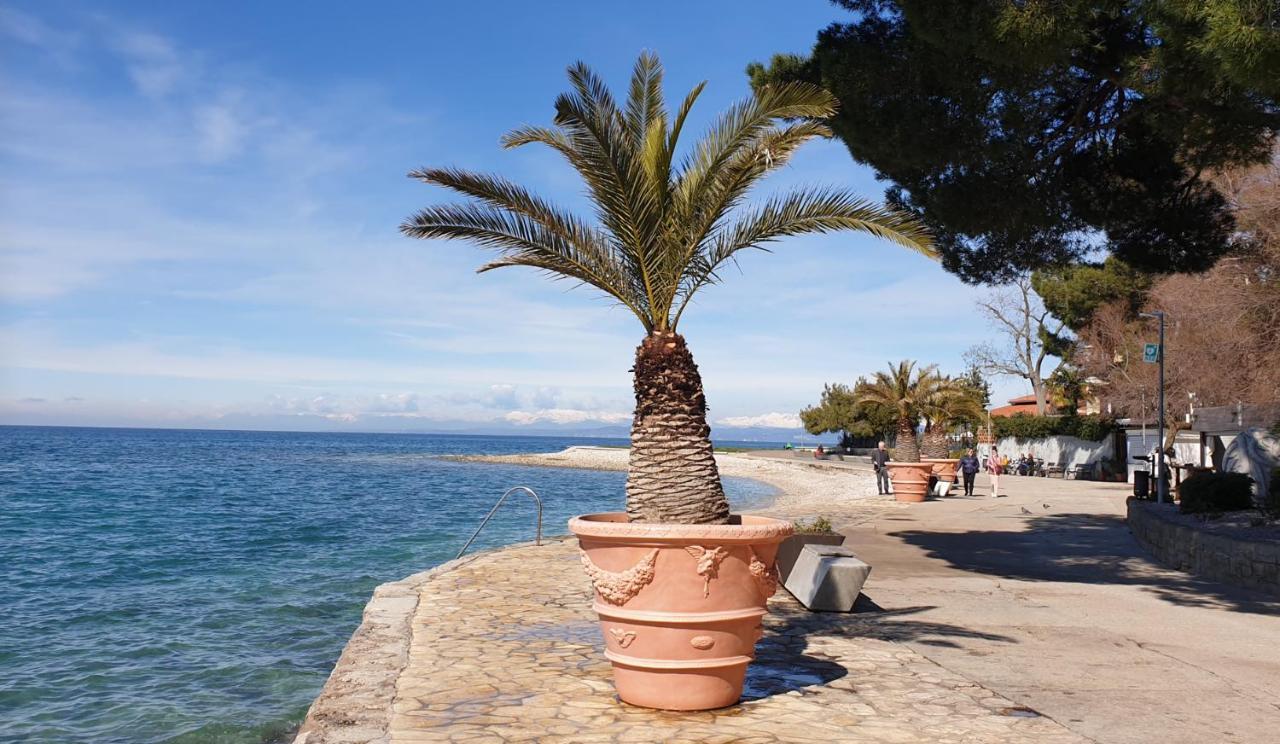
column 995, row 467
column 879, row 457
column 969, row 467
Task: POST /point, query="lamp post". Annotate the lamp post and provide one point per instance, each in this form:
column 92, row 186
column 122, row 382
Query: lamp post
column 1162, row 486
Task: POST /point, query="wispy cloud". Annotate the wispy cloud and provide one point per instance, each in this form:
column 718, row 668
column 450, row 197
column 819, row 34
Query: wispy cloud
column 152, row 61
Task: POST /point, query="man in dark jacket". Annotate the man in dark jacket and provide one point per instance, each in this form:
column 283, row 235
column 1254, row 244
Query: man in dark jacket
column 969, row 467
column 879, row 457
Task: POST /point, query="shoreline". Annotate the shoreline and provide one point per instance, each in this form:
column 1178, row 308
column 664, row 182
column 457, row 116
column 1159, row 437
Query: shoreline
column 802, row 490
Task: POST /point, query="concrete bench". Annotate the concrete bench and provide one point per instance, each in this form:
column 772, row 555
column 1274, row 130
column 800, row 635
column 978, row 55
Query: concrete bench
column 827, row 577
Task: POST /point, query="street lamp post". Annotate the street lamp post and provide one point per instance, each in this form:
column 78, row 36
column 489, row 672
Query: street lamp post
column 1162, row 485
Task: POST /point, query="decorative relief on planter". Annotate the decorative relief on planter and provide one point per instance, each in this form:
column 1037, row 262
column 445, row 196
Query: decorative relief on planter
column 702, row 643
column 766, row 576
column 708, row 564
column 619, row 587
column 622, row 637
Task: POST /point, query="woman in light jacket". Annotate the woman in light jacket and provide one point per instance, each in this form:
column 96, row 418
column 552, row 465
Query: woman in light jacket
column 994, row 468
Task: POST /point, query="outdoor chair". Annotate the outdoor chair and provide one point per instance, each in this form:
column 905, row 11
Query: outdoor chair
column 1080, row 472
column 1059, row 468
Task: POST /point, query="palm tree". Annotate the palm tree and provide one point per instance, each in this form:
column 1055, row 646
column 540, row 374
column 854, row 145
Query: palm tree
column 906, row 394
column 951, row 401
column 665, row 225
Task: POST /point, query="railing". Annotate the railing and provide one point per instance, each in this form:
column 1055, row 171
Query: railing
column 538, row 535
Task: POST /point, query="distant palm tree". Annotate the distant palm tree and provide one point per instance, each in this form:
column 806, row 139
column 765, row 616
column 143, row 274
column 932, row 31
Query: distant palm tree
column 951, row 401
column 665, row 225
column 906, row 394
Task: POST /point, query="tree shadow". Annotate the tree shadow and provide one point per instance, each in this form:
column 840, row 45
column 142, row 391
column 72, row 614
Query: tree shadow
column 1080, row 548
column 786, row 663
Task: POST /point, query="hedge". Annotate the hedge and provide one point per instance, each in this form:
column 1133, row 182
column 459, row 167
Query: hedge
column 1216, row 492
column 1026, row 426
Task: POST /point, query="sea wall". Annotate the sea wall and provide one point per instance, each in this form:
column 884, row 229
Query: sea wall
column 355, row 703
column 1178, row 543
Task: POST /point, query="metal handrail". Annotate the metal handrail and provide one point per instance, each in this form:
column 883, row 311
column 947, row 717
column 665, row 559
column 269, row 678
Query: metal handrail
column 537, row 540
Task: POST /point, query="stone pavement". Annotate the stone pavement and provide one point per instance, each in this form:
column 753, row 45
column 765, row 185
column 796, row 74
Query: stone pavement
column 504, row 647
column 1064, row 613
column 1029, row 618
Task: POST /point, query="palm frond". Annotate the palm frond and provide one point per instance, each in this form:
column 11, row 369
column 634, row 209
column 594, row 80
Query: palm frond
column 523, row 241
column 740, row 125
column 798, row 213
column 660, row 232
column 644, row 104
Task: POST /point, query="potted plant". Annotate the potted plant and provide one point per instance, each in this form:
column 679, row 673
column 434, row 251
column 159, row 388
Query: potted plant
column 951, row 402
column 906, row 394
column 680, row 583
column 817, row 532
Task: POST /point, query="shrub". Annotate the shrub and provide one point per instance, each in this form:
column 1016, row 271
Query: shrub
column 1216, row 492
column 819, row 526
column 1025, row 426
column 1271, row 507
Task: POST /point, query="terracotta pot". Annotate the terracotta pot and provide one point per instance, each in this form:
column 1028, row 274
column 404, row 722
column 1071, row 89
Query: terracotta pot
column 910, row 480
column 790, row 548
column 944, row 468
column 680, row 605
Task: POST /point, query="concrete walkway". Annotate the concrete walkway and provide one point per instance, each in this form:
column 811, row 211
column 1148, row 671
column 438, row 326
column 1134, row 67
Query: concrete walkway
column 1045, row 598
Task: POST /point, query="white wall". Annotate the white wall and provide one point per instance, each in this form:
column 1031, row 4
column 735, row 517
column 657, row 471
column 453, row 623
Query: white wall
column 1057, row 449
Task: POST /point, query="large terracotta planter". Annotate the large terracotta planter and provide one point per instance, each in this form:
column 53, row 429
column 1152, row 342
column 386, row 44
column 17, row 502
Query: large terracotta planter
column 944, row 468
column 910, row 480
column 680, row 605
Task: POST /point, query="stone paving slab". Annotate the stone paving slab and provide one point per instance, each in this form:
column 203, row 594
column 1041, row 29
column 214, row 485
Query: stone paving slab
column 504, row 648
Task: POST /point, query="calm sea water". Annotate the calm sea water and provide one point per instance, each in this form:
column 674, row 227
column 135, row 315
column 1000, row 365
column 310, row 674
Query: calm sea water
column 197, row 586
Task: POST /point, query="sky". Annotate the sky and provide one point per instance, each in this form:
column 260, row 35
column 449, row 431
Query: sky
column 199, row 211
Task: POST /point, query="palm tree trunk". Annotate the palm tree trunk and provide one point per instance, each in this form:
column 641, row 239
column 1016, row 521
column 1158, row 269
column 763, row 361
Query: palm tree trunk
column 672, row 475
column 935, row 442
column 906, row 449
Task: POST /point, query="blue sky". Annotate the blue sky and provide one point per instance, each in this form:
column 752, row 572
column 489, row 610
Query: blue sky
column 199, row 206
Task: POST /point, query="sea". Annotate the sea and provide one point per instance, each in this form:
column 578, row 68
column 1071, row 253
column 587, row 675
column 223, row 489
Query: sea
column 197, row 587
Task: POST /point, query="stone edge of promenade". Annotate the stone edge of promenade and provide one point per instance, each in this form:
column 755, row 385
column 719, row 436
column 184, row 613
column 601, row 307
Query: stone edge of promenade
column 355, row 703
column 1249, row 564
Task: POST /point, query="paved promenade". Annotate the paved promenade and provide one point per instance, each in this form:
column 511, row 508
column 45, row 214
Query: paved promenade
column 505, row 648
column 1033, row 618
column 1051, row 602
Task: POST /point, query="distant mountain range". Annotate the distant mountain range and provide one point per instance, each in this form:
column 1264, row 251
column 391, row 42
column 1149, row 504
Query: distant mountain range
column 405, row 425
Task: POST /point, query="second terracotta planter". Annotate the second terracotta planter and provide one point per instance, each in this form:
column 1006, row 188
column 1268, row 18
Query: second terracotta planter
column 944, row 468
column 910, row 480
column 680, row 605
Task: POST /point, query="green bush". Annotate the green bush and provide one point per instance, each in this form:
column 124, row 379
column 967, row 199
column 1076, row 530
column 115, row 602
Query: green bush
column 1271, row 507
column 819, row 526
column 1216, row 492
column 1025, row 426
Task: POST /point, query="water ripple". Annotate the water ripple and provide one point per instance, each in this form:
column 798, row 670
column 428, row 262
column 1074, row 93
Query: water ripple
column 196, row 587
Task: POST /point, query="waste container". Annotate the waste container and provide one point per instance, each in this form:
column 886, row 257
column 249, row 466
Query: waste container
column 1141, row 484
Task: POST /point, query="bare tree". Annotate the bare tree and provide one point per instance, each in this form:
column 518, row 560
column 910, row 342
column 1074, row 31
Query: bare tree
column 1026, row 329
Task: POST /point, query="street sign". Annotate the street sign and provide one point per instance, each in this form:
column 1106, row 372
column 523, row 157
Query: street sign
column 1151, row 353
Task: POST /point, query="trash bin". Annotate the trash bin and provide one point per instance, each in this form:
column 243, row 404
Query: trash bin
column 1141, row 484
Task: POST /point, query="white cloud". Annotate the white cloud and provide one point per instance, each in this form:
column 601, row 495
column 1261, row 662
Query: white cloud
column 221, row 132
column 772, row 420
column 153, row 62
column 565, row 416
column 28, row 29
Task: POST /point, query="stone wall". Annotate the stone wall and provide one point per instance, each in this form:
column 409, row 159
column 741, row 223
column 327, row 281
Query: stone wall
column 1177, row 542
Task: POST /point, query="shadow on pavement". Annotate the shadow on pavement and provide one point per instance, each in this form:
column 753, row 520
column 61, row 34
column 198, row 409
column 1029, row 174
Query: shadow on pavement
column 1083, row 548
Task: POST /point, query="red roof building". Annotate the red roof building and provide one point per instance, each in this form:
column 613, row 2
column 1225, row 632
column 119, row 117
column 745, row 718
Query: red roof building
column 1022, row 404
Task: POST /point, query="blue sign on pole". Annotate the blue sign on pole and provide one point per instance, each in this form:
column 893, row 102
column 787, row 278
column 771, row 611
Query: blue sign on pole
column 1151, row 353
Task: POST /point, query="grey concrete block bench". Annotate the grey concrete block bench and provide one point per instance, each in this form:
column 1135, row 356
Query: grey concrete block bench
column 827, row 577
